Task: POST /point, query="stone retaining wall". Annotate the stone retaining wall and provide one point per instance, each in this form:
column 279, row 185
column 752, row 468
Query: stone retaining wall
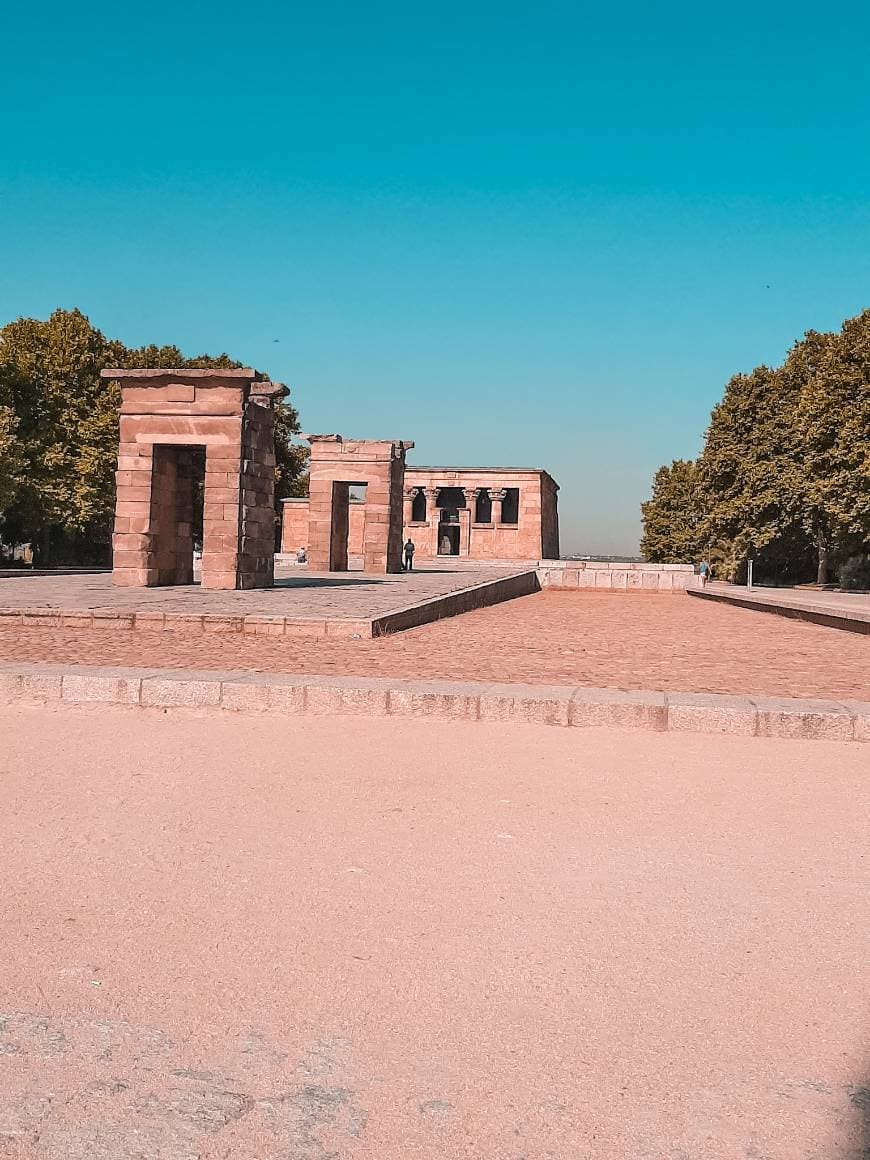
column 771, row 717
column 849, row 614
column 453, row 603
column 615, row 576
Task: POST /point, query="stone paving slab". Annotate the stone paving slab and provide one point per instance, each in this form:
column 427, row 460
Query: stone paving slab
column 597, row 639
column 771, row 717
column 311, row 605
column 844, row 610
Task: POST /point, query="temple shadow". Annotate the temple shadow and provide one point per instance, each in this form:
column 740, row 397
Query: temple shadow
column 475, row 567
column 325, row 581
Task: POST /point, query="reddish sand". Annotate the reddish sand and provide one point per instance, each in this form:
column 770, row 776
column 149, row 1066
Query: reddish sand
column 601, row 639
column 260, row 939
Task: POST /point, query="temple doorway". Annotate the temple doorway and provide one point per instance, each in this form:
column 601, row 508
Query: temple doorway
column 448, row 538
column 176, row 511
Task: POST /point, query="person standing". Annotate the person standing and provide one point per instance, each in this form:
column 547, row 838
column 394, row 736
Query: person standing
column 704, row 572
column 409, row 550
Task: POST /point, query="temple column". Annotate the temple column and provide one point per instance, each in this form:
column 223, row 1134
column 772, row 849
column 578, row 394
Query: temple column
column 497, row 494
column 433, row 517
column 466, row 519
column 408, row 497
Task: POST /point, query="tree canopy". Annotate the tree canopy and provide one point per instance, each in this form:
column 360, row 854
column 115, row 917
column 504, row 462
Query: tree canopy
column 672, row 533
column 784, row 475
column 59, row 431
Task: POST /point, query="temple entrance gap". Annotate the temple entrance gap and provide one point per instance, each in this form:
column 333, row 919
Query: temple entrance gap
column 177, row 494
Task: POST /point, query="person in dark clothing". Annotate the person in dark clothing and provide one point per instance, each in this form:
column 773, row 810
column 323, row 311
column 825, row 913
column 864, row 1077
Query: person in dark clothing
column 409, row 550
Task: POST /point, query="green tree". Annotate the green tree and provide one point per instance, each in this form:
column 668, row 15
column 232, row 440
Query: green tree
column 57, row 477
column 673, row 518
column 51, row 371
column 750, row 467
column 9, row 464
column 833, row 425
column 784, row 476
column 291, row 472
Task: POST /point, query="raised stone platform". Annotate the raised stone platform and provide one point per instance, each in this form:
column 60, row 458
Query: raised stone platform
column 843, row 610
column 313, row 605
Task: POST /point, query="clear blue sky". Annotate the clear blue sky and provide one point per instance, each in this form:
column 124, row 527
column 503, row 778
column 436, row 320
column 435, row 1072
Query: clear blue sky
column 530, row 234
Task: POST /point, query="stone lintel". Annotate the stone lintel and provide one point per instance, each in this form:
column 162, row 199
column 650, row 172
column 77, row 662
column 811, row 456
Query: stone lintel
column 183, row 373
column 396, row 444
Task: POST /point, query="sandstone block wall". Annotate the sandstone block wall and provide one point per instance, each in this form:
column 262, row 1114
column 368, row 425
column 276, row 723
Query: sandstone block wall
column 534, row 535
column 497, row 538
column 337, row 464
column 294, row 526
column 616, row 576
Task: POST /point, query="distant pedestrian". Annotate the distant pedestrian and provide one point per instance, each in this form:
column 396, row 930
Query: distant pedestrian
column 409, row 550
column 301, row 556
column 705, row 572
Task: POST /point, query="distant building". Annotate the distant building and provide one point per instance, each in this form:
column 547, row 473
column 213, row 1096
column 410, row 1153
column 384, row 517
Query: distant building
column 482, row 513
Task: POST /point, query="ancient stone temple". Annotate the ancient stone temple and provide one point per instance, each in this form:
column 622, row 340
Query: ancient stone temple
column 481, row 513
column 197, row 447
column 337, row 465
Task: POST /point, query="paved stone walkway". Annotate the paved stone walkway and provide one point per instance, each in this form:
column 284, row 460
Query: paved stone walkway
column 274, row 939
column 847, row 608
column 641, row 641
column 297, row 593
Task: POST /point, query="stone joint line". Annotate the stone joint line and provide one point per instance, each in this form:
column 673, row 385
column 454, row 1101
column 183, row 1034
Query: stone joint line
column 758, row 716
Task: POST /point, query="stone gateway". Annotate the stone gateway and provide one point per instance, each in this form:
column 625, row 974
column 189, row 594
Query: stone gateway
column 191, row 436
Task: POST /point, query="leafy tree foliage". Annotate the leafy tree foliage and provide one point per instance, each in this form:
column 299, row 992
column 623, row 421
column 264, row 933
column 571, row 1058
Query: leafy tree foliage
column 8, row 455
column 59, row 430
column 291, row 472
column 672, row 519
column 833, row 423
column 784, row 476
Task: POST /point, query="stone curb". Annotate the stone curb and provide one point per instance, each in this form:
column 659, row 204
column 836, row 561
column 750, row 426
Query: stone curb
column 830, row 616
column 559, row 705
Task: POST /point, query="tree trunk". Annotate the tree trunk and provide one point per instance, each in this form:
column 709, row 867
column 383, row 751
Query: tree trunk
column 45, row 546
column 822, row 552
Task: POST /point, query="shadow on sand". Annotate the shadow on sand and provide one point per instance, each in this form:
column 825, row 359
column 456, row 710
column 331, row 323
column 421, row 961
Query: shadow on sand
column 859, row 1097
column 322, row 581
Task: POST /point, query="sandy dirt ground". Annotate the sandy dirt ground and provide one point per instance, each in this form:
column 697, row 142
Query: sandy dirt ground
column 323, row 939
column 639, row 641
